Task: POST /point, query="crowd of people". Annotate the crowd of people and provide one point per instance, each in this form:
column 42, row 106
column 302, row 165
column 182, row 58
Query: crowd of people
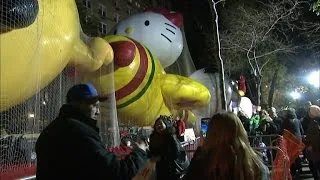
column 70, row 146
column 306, row 128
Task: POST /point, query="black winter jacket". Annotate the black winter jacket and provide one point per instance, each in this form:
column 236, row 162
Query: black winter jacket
column 294, row 126
column 173, row 160
column 70, row 148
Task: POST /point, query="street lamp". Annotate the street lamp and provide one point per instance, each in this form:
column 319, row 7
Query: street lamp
column 314, row 78
column 295, row 95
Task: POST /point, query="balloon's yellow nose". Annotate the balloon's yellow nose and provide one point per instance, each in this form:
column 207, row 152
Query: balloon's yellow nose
column 129, row 30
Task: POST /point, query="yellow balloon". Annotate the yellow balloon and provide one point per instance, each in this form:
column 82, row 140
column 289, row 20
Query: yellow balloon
column 185, row 115
column 191, row 117
column 142, row 88
column 32, row 56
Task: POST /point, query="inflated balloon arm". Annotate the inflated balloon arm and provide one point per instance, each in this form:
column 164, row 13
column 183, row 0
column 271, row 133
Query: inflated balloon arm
column 124, row 53
column 89, row 58
column 184, row 115
column 183, row 93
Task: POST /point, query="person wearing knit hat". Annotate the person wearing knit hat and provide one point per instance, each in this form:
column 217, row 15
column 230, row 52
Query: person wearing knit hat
column 313, row 141
column 314, row 111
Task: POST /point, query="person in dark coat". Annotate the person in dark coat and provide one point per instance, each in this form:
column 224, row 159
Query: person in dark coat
column 70, row 146
column 245, row 121
column 305, row 121
column 313, row 141
column 267, row 126
column 277, row 120
column 292, row 124
column 165, row 146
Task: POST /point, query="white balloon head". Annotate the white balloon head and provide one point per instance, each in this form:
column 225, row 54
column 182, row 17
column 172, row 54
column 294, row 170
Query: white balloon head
column 158, row 30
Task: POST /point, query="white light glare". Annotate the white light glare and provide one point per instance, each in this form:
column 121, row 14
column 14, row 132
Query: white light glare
column 31, row 115
column 314, row 78
column 295, row 95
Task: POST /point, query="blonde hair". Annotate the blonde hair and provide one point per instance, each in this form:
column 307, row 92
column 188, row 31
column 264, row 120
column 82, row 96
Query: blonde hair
column 228, row 150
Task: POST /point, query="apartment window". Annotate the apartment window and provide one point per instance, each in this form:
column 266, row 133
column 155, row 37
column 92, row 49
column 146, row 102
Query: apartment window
column 169, row 5
column 116, row 3
column 116, row 17
column 129, row 11
column 102, row 10
column 137, row 4
column 103, row 28
column 87, row 19
column 162, row 2
column 87, row 3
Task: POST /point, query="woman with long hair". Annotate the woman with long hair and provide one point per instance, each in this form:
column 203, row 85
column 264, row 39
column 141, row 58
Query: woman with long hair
column 226, row 153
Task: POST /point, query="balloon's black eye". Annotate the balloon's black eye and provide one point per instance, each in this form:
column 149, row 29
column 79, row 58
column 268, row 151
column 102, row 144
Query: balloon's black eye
column 17, row 14
column 147, row 23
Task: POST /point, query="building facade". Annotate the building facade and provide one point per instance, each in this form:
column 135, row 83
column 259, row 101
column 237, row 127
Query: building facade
column 98, row 17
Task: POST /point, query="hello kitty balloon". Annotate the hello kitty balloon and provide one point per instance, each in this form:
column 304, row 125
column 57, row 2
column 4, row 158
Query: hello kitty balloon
column 159, row 30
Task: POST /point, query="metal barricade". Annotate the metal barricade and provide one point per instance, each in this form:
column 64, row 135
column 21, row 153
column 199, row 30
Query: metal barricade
column 260, row 141
column 278, row 170
column 268, row 139
column 274, row 157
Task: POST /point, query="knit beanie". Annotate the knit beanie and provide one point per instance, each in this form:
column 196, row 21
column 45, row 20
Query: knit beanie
column 314, row 111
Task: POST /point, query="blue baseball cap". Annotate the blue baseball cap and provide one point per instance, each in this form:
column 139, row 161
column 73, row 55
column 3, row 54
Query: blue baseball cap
column 84, row 92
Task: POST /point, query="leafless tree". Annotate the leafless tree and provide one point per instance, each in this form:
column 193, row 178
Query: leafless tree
column 255, row 34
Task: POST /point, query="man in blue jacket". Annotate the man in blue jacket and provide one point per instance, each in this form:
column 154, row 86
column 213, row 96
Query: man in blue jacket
column 70, row 146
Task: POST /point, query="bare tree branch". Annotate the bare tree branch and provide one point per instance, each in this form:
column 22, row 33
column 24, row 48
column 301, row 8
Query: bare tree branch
column 269, row 53
column 260, row 33
column 248, row 55
column 285, row 14
column 235, row 46
column 256, row 63
column 216, row 3
column 265, row 63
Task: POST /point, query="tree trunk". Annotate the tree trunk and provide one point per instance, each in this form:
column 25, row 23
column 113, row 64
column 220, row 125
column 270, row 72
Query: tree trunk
column 262, row 99
column 202, row 36
column 218, row 60
column 272, row 88
column 258, row 83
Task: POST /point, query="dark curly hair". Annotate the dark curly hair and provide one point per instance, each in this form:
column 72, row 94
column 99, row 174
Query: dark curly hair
column 168, row 121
